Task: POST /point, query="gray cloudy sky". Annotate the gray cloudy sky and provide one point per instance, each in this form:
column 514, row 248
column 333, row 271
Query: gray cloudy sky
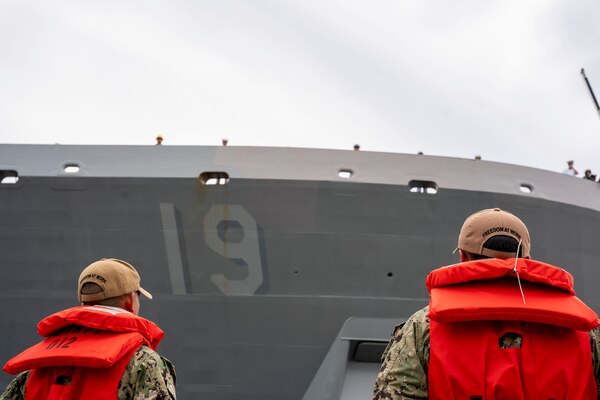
column 457, row 78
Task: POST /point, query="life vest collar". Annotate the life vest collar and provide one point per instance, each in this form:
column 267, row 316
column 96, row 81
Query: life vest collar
column 88, row 337
column 488, row 290
column 494, row 268
column 104, row 318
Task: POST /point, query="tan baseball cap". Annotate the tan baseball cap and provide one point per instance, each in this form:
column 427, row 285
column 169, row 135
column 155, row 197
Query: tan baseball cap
column 484, row 224
column 115, row 277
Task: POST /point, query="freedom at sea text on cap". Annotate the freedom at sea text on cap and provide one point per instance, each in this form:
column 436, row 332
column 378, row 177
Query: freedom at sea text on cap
column 500, row 229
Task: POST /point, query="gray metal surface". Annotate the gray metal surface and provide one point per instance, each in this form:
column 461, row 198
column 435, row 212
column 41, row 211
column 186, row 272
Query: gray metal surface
column 253, row 280
column 350, row 367
column 318, row 165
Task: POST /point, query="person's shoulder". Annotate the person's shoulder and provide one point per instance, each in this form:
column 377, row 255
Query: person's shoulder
column 420, row 317
column 416, row 324
column 146, row 358
column 422, row 313
column 16, row 389
column 148, row 374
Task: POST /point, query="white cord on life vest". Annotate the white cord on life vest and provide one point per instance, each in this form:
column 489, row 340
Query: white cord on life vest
column 517, row 272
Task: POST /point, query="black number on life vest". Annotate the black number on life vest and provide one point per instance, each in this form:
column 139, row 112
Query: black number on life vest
column 61, row 344
column 68, row 342
column 52, row 344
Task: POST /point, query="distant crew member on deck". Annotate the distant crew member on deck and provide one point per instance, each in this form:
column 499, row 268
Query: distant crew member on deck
column 589, row 176
column 570, row 170
column 224, row 141
column 499, row 325
column 356, row 147
column 159, row 140
column 101, row 349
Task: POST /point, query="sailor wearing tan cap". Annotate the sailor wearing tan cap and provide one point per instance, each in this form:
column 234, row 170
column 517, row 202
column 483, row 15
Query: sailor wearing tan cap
column 498, row 326
column 99, row 350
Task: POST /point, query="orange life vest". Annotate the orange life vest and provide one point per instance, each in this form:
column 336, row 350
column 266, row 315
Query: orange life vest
column 474, row 304
column 85, row 352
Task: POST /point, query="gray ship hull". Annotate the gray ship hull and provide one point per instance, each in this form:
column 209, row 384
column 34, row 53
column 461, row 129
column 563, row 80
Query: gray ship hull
column 255, row 278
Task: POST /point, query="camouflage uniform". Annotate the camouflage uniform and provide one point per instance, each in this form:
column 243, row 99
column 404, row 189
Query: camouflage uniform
column 403, row 373
column 147, row 376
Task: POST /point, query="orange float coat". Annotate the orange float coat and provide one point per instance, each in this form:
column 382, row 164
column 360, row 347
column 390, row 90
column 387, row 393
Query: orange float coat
column 85, row 353
column 474, row 304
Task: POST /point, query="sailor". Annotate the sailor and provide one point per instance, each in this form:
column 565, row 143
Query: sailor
column 499, row 325
column 570, row 170
column 159, row 140
column 101, row 349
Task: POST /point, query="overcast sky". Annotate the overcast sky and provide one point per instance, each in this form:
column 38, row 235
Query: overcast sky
column 455, row 78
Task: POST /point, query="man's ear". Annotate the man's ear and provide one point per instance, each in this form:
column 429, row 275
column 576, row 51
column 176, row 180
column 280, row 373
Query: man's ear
column 128, row 302
column 462, row 256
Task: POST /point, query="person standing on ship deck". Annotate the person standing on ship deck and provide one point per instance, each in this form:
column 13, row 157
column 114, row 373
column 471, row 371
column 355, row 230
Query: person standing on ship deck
column 570, row 170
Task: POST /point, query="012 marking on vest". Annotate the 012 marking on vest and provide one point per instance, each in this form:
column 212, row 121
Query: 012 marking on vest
column 61, row 344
